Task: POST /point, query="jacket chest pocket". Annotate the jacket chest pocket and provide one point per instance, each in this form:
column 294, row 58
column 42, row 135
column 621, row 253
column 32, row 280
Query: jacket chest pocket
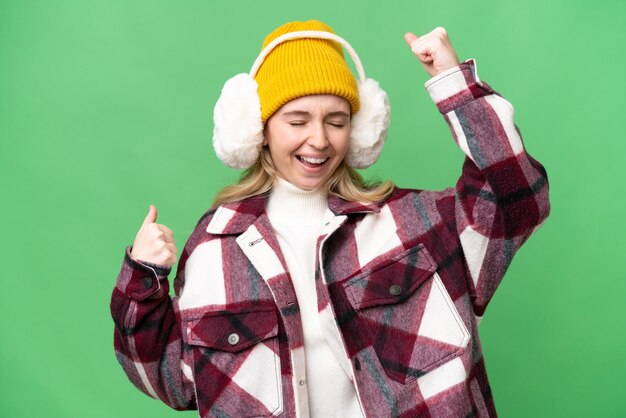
column 236, row 362
column 407, row 313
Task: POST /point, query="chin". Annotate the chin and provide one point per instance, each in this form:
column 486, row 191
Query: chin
column 309, row 185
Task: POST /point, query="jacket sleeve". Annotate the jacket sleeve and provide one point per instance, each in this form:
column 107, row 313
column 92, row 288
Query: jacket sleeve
column 501, row 197
column 147, row 337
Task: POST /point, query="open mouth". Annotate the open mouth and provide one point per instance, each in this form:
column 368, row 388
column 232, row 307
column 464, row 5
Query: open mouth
column 311, row 162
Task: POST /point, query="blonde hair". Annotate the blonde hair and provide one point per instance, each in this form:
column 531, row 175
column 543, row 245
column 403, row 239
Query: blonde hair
column 345, row 183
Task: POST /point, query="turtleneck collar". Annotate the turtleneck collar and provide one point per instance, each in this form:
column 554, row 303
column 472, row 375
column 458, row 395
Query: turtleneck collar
column 291, row 205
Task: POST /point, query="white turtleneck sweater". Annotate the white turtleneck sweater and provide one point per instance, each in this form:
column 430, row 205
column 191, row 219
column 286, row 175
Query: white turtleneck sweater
column 297, row 217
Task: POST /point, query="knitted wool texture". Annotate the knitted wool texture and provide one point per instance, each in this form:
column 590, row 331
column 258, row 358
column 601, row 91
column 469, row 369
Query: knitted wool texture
column 303, row 67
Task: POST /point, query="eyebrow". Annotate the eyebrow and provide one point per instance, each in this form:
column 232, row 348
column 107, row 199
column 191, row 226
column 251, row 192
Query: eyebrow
column 305, row 113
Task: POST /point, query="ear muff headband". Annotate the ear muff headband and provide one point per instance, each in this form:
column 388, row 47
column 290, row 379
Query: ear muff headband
column 308, row 34
column 238, row 128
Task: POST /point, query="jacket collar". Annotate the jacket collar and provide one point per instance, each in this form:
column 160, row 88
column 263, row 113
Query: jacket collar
column 236, row 217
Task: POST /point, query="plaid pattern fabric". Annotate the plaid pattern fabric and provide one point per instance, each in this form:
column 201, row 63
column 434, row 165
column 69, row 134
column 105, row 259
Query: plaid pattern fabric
column 401, row 287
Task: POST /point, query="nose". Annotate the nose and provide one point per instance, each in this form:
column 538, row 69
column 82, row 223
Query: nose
column 318, row 137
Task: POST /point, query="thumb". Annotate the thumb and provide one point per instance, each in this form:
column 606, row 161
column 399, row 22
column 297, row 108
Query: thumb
column 410, row 38
column 152, row 215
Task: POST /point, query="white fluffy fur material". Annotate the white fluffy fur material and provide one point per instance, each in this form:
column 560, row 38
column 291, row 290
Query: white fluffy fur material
column 369, row 125
column 238, row 129
column 237, row 126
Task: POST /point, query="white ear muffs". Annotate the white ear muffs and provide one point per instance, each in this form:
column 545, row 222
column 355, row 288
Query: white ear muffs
column 238, row 127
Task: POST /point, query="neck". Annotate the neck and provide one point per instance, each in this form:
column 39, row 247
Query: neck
column 289, row 204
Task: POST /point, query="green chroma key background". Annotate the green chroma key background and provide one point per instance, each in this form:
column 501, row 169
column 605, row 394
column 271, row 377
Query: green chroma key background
column 106, row 108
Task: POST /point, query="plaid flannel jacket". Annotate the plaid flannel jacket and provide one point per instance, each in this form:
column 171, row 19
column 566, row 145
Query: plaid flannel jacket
column 401, row 286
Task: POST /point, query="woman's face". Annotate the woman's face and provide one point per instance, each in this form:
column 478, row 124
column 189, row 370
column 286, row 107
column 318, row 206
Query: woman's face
column 308, row 137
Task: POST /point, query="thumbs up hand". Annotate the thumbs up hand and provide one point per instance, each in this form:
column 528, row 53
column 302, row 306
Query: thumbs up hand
column 154, row 242
column 434, row 50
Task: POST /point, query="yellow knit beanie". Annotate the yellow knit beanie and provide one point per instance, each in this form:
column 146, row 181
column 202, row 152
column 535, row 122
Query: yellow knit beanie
column 302, row 67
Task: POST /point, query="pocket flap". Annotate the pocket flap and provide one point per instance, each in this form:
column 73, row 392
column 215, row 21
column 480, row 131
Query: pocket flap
column 231, row 331
column 392, row 280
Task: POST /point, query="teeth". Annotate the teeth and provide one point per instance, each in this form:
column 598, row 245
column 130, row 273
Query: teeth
column 313, row 160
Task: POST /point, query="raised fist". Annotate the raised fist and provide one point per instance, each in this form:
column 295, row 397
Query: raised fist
column 154, row 242
column 434, row 50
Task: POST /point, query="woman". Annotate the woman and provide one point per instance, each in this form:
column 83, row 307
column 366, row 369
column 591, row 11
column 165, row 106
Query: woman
column 305, row 291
